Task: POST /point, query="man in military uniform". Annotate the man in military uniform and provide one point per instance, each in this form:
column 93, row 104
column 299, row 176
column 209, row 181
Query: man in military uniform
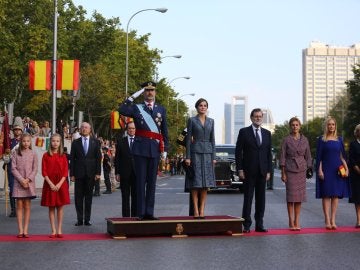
column 17, row 132
column 151, row 141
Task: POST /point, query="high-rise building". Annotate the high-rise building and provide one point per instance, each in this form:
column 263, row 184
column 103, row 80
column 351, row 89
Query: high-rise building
column 325, row 70
column 236, row 115
column 268, row 120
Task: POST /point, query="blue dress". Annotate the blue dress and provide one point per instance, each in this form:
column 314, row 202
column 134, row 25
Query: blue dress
column 333, row 185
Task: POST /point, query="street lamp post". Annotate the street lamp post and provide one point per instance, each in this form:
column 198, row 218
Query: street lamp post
column 185, row 77
column 177, row 108
column 166, row 56
column 173, row 56
column 162, row 10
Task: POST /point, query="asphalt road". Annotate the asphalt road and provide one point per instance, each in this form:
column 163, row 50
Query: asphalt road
column 289, row 251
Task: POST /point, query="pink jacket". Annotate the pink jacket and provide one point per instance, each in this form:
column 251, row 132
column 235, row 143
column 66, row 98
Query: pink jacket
column 24, row 166
column 295, row 154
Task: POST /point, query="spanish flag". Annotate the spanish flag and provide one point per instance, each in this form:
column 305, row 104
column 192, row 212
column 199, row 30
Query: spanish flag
column 39, row 75
column 114, row 118
column 123, row 120
column 67, row 77
column 39, row 142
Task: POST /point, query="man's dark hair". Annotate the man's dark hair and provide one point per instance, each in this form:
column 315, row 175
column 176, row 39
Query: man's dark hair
column 255, row 111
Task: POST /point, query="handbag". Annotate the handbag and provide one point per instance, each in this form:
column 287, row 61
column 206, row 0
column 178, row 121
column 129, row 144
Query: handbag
column 181, row 139
column 342, row 171
column 309, row 173
column 189, row 170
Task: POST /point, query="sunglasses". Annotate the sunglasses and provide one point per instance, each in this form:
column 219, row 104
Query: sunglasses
column 149, row 90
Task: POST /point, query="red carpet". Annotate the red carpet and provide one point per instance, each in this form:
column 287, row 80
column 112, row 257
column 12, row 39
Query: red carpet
column 303, row 231
column 104, row 236
column 66, row 237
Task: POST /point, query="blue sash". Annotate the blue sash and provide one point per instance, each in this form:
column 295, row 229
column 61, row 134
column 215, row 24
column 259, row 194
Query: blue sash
column 148, row 118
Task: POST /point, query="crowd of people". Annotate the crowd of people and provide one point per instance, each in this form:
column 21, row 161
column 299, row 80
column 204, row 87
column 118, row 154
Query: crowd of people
column 134, row 161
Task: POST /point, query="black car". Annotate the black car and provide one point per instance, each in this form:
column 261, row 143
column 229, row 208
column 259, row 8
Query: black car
column 225, row 168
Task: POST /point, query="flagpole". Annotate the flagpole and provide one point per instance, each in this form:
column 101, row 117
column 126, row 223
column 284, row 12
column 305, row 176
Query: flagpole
column 53, row 122
column 6, row 189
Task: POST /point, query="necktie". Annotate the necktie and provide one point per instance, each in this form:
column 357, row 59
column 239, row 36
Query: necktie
column 149, row 107
column 257, row 137
column 131, row 143
column 85, row 145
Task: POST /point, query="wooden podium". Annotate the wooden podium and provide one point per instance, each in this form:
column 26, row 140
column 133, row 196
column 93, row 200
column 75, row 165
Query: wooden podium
column 181, row 226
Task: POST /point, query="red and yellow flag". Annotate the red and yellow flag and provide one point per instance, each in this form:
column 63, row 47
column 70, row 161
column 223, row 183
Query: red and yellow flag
column 39, row 142
column 40, row 75
column 118, row 121
column 67, row 77
column 114, row 120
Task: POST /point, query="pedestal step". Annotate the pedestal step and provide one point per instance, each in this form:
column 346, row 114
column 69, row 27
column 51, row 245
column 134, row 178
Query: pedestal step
column 120, row 228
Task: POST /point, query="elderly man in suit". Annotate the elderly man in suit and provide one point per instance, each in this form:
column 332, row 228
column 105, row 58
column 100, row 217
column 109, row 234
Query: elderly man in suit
column 85, row 169
column 151, row 141
column 125, row 171
column 253, row 162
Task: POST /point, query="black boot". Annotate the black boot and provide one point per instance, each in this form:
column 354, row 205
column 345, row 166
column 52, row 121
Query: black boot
column 13, row 207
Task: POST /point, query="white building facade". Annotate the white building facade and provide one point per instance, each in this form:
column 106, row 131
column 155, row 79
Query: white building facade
column 325, row 70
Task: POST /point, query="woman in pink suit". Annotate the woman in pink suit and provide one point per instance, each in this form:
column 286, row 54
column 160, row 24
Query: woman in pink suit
column 55, row 193
column 295, row 159
column 24, row 168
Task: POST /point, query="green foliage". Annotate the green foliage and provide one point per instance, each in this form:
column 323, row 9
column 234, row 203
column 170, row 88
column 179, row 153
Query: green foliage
column 312, row 130
column 352, row 116
column 280, row 132
column 26, row 33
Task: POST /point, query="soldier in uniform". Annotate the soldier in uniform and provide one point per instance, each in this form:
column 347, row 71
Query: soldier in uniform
column 151, row 141
column 17, row 132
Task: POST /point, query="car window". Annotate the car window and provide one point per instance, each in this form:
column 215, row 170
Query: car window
column 223, row 152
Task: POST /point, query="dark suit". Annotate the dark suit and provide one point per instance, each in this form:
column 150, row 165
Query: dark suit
column 255, row 161
column 146, row 152
column 124, row 166
column 84, row 168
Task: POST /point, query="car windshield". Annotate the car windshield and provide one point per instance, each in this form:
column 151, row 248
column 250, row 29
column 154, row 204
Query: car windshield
column 225, row 152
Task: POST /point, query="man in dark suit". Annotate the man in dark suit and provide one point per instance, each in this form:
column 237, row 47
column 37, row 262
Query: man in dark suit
column 253, row 162
column 125, row 171
column 85, row 169
column 151, row 141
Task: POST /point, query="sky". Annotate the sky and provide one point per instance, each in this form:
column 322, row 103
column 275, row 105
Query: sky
column 234, row 47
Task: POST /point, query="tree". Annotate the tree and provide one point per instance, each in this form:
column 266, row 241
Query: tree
column 312, row 130
column 280, row 132
column 26, row 33
column 352, row 117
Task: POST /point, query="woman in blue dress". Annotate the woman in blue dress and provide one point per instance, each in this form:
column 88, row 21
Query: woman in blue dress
column 330, row 186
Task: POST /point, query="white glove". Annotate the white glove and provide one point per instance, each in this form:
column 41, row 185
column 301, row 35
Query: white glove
column 136, row 94
column 163, row 155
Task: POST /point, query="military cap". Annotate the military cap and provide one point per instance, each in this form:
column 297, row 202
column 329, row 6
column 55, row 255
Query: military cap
column 18, row 123
column 148, row 85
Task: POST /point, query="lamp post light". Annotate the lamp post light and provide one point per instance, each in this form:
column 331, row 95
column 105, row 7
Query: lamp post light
column 177, row 108
column 156, row 76
column 184, row 77
column 162, row 10
column 173, row 56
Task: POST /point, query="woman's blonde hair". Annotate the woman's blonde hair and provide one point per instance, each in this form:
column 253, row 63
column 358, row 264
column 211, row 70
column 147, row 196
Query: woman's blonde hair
column 61, row 147
column 21, row 147
column 326, row 130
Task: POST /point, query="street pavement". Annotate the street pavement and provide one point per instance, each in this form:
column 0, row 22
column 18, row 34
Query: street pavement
column 335, row 250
